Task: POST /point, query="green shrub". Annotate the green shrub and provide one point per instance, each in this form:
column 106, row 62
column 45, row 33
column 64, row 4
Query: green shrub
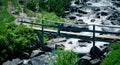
column 115, row 46
column 14, row 40
column 16, row 5
column 114, row 56
column 64, row 58
column 57, row 6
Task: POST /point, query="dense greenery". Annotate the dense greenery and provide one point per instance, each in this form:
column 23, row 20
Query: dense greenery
column 114, row 56
column 57, row 6
column 16, row 6
column 64, row 58
column 4, row 15
column 14, row 40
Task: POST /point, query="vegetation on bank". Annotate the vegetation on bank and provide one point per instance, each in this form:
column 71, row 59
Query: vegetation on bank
column 57, row 6
column 16, row 6
column 114, row 56
column 14, row 40
column 5, row 16
column 64, row 58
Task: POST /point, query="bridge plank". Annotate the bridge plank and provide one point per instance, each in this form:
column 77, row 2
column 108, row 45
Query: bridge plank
column 81, row 34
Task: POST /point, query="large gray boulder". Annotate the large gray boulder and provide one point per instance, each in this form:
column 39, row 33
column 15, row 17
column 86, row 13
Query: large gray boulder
column 13, row 62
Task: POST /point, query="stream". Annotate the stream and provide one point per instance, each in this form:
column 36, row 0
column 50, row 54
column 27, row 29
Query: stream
column 98, row 12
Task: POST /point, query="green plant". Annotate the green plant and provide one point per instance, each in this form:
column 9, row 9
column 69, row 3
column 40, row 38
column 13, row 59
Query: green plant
column 14, row 40
column 115, row 45
column 114, row 56
column 57, row 6
column 16, row 5
column 64, row 58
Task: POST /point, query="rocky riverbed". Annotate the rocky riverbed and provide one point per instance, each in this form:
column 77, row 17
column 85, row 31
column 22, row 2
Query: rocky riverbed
column 100, row 12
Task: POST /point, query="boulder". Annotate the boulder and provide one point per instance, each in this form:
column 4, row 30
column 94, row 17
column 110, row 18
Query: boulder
column 106, row 22
column 115, row 22
column 79, row 21
column 81, row 11
column 104, row 13
column 46, row 49
column 95, row 52
column 37, row 53
column 40, row 60
column 84, row 41
column 13, row 62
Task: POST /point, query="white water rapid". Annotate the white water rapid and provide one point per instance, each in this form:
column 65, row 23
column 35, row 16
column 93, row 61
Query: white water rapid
column 98, row 12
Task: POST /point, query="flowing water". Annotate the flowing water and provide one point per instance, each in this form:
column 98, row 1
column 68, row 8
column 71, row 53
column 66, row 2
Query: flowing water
column 98, row 12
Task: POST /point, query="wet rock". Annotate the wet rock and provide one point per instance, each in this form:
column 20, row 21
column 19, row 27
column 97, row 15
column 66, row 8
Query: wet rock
column 115, row 22
column 95, row 52
column 83, row 45
column 95, row 61
column 106, row 29
column 37, row 53
column 82, row 12
column 40, row 60
column 56, row 40
column 84, row 62
column 46, row 49
column 92, row 20
column 106, row 22
column 104, row 13
column 60, row 46
column 96, row 9
column 13, row 62
column 84, row 41
column 77, row 2
column 79, row 21
column 72, row 17
column 66, row 12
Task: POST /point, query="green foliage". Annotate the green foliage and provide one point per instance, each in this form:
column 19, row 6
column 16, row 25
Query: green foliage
column 57, row 6
column 115, row 46
column 114, row 56
column 29, row 12
column 14, row 40
column 15, row 4
column 50, row 16
column 64, row 58
column 5, row 16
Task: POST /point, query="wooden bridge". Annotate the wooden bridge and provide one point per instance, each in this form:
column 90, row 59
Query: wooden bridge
column 56, row 28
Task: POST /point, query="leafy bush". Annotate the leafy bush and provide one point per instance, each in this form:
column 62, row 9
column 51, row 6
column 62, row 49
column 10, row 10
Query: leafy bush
column 57, row 6
column 115, row 45
column 5, row 16
column 29, row 12
column 15, row 4
column 14, row 40
column 64, row 58
column 114, row 56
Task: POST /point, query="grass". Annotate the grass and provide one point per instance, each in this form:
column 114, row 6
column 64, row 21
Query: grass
column 64, row 58
column 114, row 56
column 5, row 16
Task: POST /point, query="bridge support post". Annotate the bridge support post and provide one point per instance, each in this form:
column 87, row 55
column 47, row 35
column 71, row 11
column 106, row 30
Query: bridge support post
column 42, row 32
column 21, row 22
column 93, row 38
column 59, row 26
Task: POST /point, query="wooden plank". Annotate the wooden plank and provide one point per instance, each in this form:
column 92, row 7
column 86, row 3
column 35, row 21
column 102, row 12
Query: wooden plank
column 80, row 34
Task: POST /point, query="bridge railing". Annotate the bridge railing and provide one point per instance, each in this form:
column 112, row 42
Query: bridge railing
column 63, row 26
column 60, row 27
